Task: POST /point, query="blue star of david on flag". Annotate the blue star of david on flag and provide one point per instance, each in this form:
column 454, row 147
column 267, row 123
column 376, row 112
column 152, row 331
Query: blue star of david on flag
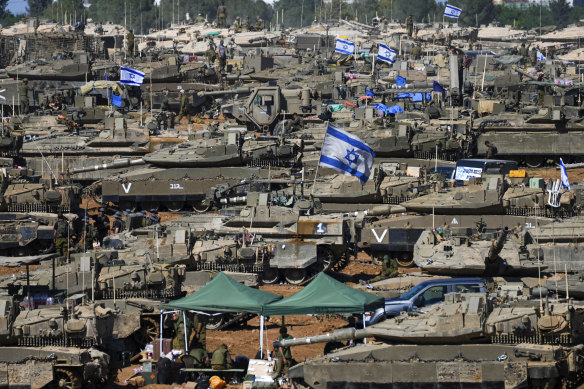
column 351, row 156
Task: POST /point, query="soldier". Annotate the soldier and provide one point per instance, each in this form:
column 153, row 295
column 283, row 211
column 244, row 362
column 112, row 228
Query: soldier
column 284, row 354
column 296, row 123
column 126, row 219
column 460, row 58
column 222, row 55
column 222, row 15
column 118, row 225
column 388, row 269
column 221, row 358
column 417, row 51
column 237, row 25
column 130, row 38
column 89, row 236
column 491, row 150
column 410, row 25
column 184, row 107
column 178, row 342
column 61, row 235
column 259, row 25
column 200, row 18
column 524, row 53
column 199, row 336
column 152, row 220
column 146, row 98
column 210, row 53
column 247, row 24
column 102, row 224
column 164, row 106
column 24, row 100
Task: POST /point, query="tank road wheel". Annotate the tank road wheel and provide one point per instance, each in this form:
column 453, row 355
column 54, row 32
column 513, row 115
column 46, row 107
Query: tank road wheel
column 174, row 206
column 533, row 161
column 405, row 260
column 215, row 322
column 295, row 276
column 66, row 379
column 270, row 275
column 149, row 330
column 201, row 206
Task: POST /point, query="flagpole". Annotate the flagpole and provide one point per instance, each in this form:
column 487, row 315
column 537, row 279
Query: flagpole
column 320, row 155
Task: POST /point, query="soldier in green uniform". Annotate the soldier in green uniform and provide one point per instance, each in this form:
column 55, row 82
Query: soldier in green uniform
column 417, row 51
column 199, row 336
column 200, row 18
column 524, row 53
column 130, row 38
column 283, row 353
column 102, row 224
column 24, row 100
column 491, row 150
column 410, row 25
column 259, row 25
column 61, row 235
column 388, row 269
column 222, row 14
column 221, row 359
column 237, row 25
column 247, row 24
column 178, row 342
column 146, row 98
column 88, row 237
column 164, row 106
column 210, row 53
column 184, row 106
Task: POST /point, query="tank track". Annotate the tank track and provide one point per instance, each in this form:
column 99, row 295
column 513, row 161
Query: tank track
column 432, row 155
column 558, row 339
column 168, row 293
column 61, row 341
column 273, row 162
column 38, row 208
column 396, row 199
column 541, row 212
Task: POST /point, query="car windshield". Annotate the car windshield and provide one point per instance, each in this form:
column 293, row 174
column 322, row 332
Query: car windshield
column 412, row 292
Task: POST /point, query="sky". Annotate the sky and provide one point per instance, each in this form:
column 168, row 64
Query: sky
column 17, row 6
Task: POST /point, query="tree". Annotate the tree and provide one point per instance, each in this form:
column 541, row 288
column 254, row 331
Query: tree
column 420, row 10
column 65, row 11
column 473, row 11
column 561, row 13
column 37, row 7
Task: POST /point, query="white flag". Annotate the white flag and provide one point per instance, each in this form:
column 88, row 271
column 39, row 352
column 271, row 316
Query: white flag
column 540, row 56
column 131, row 76
column 346, row 154
column 564, row 175
column 452, row 12
column 344, row 47
column 386, row 54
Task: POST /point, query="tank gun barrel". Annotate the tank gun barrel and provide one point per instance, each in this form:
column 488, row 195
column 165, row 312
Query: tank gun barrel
column 242, row 90
column 498, row 245
column 118, row 163
column 336, row 336
column 523, row 72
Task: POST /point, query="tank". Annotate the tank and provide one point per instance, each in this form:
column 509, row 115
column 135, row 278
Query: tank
column 71, row 66
column 532, row 140
column 493, row 194
column 458, row 331
column 25, row 237
column 187, row 175
column 462, row 251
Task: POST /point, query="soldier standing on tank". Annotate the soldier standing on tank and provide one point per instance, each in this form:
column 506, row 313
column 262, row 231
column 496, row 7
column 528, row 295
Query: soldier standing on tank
column 417, row 51
column 410, row 25
column 199, row 18
column 222, row 15
column 89, row 236
column 283, row 353
column 222, row 55
column 184, row 107
column 524, row 53
column 102, row 225
column 491, row 150
column 24, row 99
column 210, row 53
column 130, row 38
column 61, row 235
column 237, row 25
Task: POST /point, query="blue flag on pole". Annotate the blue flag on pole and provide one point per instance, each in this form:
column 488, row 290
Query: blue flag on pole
column 346, row 153
column 436, row 87
column 452, row 12
column 344, row 47
column 564, row 174
column 116, row 100
column 131, row 76
column 400, row 81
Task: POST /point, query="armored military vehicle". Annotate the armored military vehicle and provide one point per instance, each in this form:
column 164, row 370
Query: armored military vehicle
column 23, row 237
column 73, row 66
column 187, row 174
column 449, row 347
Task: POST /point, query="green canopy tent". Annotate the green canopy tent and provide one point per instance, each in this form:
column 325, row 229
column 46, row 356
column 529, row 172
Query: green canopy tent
column 325, row 295
column 224, row 294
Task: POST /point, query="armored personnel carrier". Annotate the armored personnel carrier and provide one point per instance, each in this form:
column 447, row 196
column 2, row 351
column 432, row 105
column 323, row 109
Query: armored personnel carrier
column 187, row 174
column 531, row 347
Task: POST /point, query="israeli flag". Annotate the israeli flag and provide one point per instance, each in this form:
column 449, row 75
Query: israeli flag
column 346, row 154
column 452, row 12
column 564, row 175
column 344, row 47
column 131, row 76
column 386, row 54
column 540, row 56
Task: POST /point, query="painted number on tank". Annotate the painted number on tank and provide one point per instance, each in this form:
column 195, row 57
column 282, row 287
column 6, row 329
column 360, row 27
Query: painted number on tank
column 321, row 228
column 528, row 225
column 291, row 38
column 175, row 186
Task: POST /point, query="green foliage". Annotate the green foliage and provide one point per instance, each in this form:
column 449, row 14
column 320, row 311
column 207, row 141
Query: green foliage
column 482, row 11
column 37, row 7
column 65, row 11
column 420, row 10
column 561, row 12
